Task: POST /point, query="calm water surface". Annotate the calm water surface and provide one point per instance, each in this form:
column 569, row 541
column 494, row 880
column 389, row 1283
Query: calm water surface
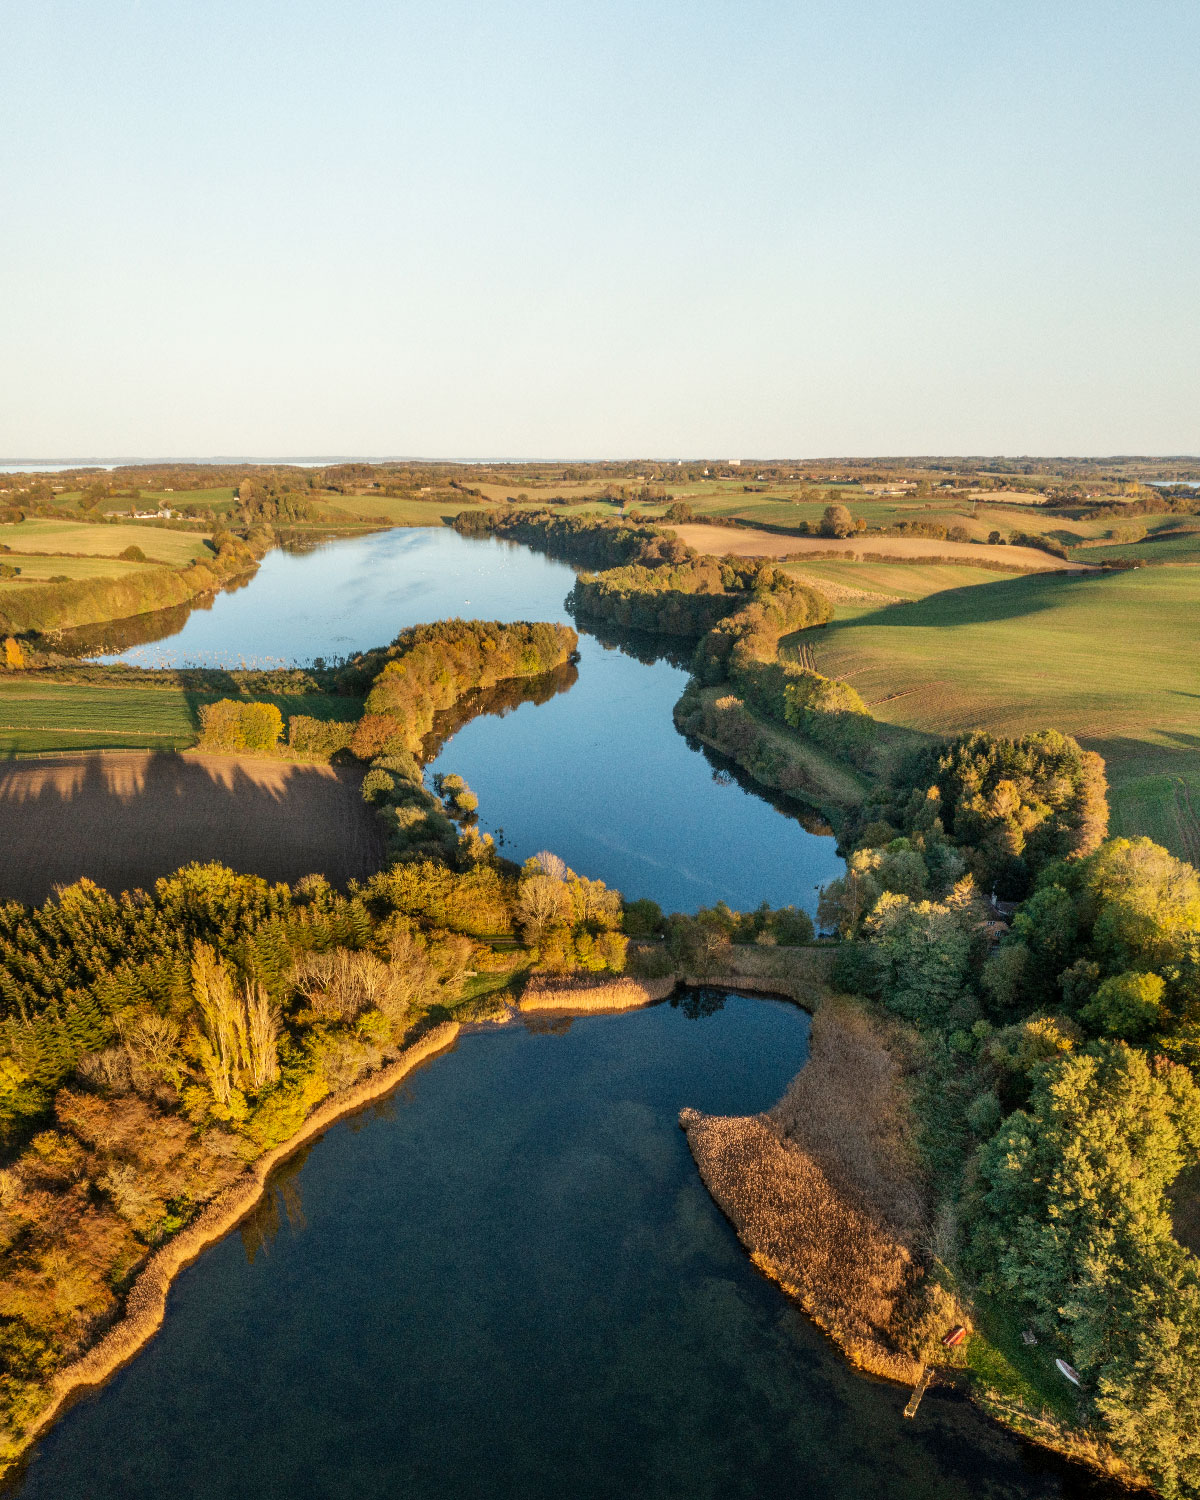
column 599, row 773
column 507, row 1281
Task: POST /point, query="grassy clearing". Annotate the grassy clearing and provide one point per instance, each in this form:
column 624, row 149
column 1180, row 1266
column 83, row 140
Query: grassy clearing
column 1001, row 1361
column 1112, row 658
column 160, row 544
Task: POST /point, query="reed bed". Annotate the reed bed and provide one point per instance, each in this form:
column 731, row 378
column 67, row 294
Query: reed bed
column 619, row 992
column 146, row 1304
column 849, row 1109
column 843, row 1266
column 823, row 1189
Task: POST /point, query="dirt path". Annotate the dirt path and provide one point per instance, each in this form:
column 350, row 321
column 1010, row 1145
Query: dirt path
column 124, row 818
column 744, row 541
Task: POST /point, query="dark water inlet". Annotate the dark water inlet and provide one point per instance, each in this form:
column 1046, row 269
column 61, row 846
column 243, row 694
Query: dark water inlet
column 507, row 1281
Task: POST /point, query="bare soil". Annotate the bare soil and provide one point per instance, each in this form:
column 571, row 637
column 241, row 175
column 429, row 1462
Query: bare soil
column 746, row 542
column 125, row 818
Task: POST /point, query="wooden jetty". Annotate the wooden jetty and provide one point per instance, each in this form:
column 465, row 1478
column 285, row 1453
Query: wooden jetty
column 919, row 1390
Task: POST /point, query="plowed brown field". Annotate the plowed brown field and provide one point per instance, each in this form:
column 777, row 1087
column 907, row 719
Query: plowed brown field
column 124, row 818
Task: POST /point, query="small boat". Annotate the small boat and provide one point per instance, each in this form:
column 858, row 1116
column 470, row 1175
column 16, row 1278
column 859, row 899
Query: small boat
column 1069, row 1371
column 955, row 1337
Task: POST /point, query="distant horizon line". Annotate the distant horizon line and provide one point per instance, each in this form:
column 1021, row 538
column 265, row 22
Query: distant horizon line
column 316, row 461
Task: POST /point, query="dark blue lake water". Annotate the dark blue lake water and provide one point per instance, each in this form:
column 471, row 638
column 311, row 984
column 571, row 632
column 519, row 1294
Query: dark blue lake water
column 506, row 1282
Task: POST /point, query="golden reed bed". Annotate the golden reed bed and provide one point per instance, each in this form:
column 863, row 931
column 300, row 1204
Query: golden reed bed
column 544, row 992
column 823, row 1190
column 147, row 1300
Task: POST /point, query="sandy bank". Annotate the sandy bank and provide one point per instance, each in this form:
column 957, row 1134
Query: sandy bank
column 746, row 542
column 147, row 1301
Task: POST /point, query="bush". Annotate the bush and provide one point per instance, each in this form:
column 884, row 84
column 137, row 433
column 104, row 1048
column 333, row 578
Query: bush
column 376, row 786
column 230, row 725
column 133, row 553
column 324, row 737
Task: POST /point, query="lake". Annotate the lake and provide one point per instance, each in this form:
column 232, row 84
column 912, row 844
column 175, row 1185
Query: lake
column 598, row 773
column 507, row 1281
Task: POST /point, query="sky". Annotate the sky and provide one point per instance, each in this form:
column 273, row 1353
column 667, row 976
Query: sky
column 668, row 228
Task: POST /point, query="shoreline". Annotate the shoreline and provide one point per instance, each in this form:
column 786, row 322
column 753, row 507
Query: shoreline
column 146, row 1303
column 759, row 1166
column 796, row 975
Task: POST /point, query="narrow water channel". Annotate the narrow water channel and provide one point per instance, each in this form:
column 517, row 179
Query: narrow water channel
column 599, row 774
column 506, row 1281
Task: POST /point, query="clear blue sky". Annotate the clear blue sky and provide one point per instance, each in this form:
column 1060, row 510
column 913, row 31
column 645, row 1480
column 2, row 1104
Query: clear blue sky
column 626, row 227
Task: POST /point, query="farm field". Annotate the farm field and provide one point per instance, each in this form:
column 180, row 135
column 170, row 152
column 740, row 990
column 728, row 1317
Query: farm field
column 1112, row 658
column 744, row 542
column 979, row 517
column 393, row 511
column 91, row 539
column 124, row 819
column 37, row 716
column 914, row 580
column 39, row 567
column 1173, row 545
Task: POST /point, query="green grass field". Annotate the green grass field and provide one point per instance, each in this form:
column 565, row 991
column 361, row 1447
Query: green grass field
column 44, row 716
column 41, row 568
column 1112, row 658
column 1167, row 545
column 100, row 540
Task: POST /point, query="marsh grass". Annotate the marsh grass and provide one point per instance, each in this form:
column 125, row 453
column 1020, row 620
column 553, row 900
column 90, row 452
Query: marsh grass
column 609, row 992
column 824, row 1190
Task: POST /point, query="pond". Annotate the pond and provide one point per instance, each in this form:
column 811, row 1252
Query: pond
column 598, row 773
column 507, row 1281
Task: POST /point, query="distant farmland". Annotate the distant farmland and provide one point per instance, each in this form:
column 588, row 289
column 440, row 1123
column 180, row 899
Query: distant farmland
column 125, row 818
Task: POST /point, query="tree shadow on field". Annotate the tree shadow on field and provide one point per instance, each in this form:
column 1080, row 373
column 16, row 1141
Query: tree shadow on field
column 978, row 604
column 126, row 818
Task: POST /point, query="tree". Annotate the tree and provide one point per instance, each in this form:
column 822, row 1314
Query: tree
column 836, row 521
column 1126, row 1005
column 542, row 903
